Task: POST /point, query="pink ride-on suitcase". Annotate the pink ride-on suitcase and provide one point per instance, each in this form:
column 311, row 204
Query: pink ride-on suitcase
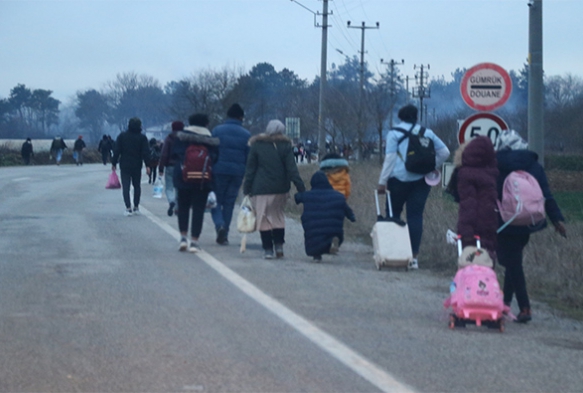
column 476, row 297
column 390, row 240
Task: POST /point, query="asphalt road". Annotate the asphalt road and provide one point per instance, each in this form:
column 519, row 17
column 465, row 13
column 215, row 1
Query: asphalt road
column 93, row 301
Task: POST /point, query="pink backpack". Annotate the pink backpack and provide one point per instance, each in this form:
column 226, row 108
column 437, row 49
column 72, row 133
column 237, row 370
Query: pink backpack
column 522, row 201
column 476, row 295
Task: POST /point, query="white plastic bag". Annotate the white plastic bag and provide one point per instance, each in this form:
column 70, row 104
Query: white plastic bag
column 246, row 221
column 211, row 201
column 158, row 188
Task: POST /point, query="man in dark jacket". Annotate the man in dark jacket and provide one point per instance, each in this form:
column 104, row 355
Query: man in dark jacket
column 323, row 217
column 105, row 149
column 512, row 155
column 131, row 150
column 78, row 147
column 228, row 172
column 26, row 151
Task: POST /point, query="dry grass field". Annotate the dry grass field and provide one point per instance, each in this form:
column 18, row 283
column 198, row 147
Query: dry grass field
column 553, row 265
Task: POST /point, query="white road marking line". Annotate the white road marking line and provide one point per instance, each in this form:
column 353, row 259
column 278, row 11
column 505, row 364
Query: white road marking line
column 353, row 360
column 21, row 179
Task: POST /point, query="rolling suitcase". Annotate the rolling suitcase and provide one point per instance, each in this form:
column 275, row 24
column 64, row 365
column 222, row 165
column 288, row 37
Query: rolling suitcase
column 390, row 240
column 475, row 296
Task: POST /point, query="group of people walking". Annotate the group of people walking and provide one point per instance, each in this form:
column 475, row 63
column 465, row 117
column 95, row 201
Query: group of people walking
column 265, row 166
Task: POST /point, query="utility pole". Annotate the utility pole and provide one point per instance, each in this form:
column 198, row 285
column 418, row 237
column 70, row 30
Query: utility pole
column 392, row 88
column 421, row 91
column 323, row 62
column 535, row 79
column 360, row 131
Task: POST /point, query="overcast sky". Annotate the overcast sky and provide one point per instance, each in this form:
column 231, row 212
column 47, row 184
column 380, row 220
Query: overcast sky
column 70, row 46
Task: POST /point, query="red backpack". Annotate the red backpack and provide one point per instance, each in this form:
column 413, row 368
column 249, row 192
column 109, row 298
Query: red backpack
column 197, row 166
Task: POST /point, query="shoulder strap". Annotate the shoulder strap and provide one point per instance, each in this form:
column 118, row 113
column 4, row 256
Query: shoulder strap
column 422, row 132
column 407, row 133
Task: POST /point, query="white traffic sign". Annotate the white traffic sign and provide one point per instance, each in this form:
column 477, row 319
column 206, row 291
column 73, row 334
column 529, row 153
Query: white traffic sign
column 481, row 124
column 486, row 86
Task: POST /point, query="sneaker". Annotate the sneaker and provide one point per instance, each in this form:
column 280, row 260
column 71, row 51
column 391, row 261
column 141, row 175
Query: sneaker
column 335, row 245
column 137, row 211
column 222, row 236
column 128, row 212
column 268, row 254
column 279, row 250
column 170, row 211
column 183, row 244
column 413, row 264
column 524, row 316
column 194, row 247
column 318, row 258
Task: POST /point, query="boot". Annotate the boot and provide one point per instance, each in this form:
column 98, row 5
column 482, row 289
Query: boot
column 524, row 316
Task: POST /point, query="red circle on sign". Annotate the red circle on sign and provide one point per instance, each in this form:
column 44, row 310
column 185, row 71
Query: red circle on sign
column 490, row 116
column 486, row 66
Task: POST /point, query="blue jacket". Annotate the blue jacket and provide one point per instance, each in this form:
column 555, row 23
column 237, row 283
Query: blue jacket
column 526, row 160
column 323, row 217
column 233, row 148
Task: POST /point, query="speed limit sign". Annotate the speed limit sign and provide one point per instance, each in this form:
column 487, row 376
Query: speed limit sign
column 481, row 124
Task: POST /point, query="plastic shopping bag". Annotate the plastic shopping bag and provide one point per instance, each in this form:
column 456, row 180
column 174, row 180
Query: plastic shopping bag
column 211, row 201
column 158, row 188
column 113, row 181
column 246, row 221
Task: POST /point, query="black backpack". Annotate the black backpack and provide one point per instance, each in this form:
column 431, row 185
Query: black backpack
column 420, row 152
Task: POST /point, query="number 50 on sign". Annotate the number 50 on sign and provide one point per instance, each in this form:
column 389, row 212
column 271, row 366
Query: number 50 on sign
column 481, row 124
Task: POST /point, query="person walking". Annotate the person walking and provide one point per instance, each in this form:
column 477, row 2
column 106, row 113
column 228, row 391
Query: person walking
column 155, row 152
column 229, row 170
column 476, row 177
column 270, row 168
column 323, row 217
column 26, row 151
column 78, row 147
column 194, row 149
column 105, row 148
column 57, row 148
column 166, row 166
column 513, row 154
column 406, row 187
column 131, row 150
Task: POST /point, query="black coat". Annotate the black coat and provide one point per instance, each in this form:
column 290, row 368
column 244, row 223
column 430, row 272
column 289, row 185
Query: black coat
column 323, row 217
column 130, row 150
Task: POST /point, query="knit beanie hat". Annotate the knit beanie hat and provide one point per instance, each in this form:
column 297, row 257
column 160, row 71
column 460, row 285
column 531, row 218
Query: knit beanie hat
column 235, row 112
column 177, row 126
column 274, row 127
column 408, row 113
column 510, row 140
column 135, row 124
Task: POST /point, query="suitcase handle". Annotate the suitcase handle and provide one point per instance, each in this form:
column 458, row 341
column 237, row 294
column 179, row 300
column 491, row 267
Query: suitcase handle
column 459, row 243
column 376, row 198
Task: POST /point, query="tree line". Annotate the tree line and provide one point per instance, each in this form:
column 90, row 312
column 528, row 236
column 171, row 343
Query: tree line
column 352, row 115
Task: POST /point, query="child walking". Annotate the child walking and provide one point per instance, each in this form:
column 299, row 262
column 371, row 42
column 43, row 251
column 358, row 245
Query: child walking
column 323, row 217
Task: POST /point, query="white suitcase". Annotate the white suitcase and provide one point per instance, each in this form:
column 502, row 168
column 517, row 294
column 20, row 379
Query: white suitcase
column 390, row 240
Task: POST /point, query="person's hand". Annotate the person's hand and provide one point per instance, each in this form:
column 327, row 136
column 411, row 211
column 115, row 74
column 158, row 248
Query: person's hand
column 560, row 227
column 148, row 170
column 381, row 189
column 160, row 173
